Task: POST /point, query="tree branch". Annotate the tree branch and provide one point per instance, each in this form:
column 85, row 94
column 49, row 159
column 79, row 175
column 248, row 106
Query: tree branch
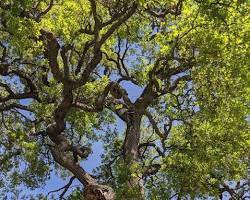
column 154, row 125
column 45, row 11
column 50, row 52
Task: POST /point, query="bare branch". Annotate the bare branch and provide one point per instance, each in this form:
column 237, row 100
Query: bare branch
column 64, row 188
column 151, row 144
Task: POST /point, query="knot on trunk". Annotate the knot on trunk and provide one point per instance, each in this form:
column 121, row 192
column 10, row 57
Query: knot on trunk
column 98, row 192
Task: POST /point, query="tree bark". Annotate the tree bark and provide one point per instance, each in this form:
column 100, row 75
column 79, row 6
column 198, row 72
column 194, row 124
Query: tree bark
column 98, row 192
column 132, row 138
column 92, row 190
column 130, row 151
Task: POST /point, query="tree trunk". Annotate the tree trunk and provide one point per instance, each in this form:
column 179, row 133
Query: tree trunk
column 130, row 151
column 132, row 138
column 98, row 192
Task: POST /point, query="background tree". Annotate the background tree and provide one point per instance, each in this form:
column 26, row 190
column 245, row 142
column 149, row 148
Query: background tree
column 65, row 67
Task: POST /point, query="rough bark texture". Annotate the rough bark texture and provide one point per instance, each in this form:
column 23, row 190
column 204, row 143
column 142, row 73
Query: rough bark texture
column 130, row 150
column 98, row 192
column 132, row 137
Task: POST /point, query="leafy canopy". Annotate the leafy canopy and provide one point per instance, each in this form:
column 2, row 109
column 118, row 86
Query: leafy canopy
column 67, row 68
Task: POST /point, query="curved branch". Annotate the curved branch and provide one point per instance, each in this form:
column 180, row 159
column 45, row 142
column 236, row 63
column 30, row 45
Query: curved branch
column 154, row 125
column 45, row 11
column 64, row 188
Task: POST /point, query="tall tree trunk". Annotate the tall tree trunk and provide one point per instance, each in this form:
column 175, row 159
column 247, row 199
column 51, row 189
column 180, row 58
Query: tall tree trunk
column 130, row 150
column 132, row 138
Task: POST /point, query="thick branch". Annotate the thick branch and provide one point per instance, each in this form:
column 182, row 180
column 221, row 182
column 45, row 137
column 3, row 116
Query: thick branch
column 75, row 168
column 50, row 52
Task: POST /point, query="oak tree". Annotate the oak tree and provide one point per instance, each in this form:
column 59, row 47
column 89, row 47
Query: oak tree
column 175, row 72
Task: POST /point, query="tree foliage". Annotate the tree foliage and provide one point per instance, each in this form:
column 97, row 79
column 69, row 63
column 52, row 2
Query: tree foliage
column 67, row 73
